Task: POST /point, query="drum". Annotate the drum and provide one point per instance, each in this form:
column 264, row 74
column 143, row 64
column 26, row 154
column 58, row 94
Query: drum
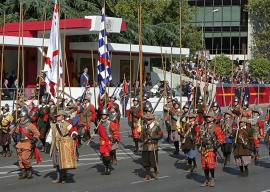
column 67, row 153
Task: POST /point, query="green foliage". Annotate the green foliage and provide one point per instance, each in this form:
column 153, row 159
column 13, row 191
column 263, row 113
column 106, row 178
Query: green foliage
column 260, row 68
column 260, row 18
column 222, row 65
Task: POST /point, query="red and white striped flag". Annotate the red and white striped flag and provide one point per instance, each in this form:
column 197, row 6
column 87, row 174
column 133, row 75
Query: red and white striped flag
column 54, row 56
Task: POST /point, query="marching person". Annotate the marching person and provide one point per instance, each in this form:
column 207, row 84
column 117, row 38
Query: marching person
column 211, row 137
column 167, row 118
column 59, row 131
column 188, row 145
column 256, row 132
column 135, row 122
column 228, row 125
column 87, row 116
column 5, row 139
column 175, row 136
column 43, row 122
column 247, row 112
column 27, row 137
column 236, row 107
column 242, row 153
column 150, row 136
column 217, row 111
column 33, row 112
column 109, row 137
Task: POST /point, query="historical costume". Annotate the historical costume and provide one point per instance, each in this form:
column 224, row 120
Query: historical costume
column 109, row 137
column 135, row 122
column 27, row 137
column 211, row 137
column 228, row 125
column 5, row 123
column 43, row 122
column 150, row 136
column 167, row 117
column 188, row 146
column 60, row 132
column 242, row 153
column 175, row 135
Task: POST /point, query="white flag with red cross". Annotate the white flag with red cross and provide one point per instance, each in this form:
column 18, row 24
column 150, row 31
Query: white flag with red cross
column 54, row 56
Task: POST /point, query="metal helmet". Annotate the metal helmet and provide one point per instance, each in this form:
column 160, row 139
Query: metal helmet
column 200, row 98
column 24, row 112
column 246, row 103
column 136, row 99
column 149, row 109
column 236, row 99
column 79, row 99
column 146, row 95
column 44, row 99
column 215, row 104
column 186, row 106
column 104, row 111
column 6, row 107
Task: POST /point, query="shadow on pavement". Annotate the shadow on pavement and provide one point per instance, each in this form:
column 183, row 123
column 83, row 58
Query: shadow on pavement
column 231, row 171
column 52, row 176
column 195, row 177
column 139, row 172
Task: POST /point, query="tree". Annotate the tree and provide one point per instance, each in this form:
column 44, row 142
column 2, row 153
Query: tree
column 222, row 65
column 259, row 11
column 260, row 68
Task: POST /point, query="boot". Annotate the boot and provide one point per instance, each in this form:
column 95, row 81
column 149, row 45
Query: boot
column 63, row 176
column 156, row 173
column 246, row 172
column 205, row 184
column 58, row 177
column 212, row 182
column 23, row 174
column 176, row 145
column 136, row 150
column 30, row 173
column 107, row 170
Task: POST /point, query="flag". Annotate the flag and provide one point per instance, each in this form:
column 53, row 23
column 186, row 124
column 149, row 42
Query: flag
column 54, row 56
column 103, row 66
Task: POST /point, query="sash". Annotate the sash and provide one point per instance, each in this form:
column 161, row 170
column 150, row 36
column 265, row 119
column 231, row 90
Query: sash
column 36, row 151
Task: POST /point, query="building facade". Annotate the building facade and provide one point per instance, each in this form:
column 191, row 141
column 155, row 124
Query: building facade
column 224, row 24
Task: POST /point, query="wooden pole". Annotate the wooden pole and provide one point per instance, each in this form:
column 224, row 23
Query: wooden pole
column 140, row 58
column 42, row 48
column 215, row 63
column 64, row 61
column 164, row 76
column 105, row 43
column 232, row 84
column 93, row 74
column 130, row 76
column 58, row 64
column 23, row 75
column 180, row 56
column 18, row 62
column 2, row 58
column 171, row 70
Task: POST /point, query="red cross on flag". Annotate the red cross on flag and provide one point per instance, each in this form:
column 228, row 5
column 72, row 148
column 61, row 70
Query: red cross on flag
column 54, row 56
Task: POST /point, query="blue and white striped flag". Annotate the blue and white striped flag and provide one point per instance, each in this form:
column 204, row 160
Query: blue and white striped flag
column 103, row 66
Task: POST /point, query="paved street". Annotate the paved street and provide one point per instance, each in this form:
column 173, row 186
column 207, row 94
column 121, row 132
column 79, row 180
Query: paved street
column 128, row 174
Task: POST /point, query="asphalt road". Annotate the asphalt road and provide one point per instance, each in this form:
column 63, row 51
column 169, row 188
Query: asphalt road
column 128, row 174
